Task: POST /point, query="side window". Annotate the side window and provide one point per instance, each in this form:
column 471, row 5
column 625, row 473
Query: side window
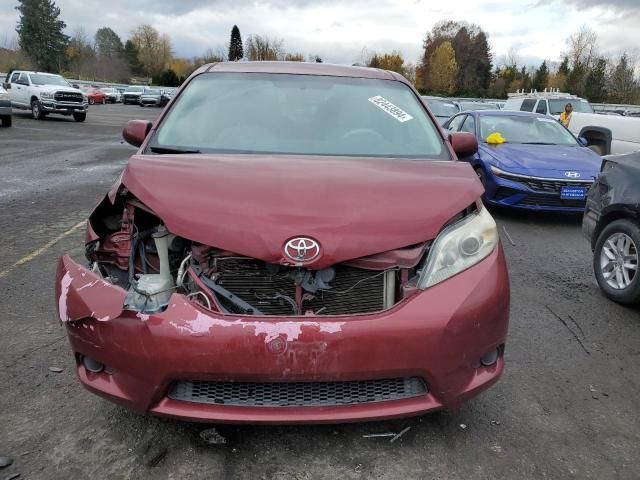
column 24, row 79
column 14, row 77
column 456, row 123
column 469, row 125
column 527, row 105
column 542, row 107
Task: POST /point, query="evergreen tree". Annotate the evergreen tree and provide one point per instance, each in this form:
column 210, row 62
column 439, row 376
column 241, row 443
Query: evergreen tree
column 563, row 69
column 40, row 32
column 541, row 77
column 236, row 51
column 595, row 89
column 131, row 56
column 576, row 79
column 108, row 43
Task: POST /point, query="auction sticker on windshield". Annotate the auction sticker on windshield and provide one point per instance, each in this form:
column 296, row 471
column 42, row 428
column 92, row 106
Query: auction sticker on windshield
column 391, row 109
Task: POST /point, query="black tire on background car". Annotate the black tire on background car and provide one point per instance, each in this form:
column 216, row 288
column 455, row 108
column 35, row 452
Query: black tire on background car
column 36, row 110
column 6, row 120
column 80, row 117
column 615, row 261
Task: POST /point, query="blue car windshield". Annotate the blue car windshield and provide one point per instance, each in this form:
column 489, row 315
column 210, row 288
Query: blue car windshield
column 256, row 113
column 526, row 130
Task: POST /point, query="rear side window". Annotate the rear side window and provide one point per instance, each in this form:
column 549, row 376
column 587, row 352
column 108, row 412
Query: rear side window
column 527, row 105
column 542, row 107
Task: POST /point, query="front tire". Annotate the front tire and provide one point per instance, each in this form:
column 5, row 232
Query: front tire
column 615, row 261
column 36, row 110
column 80, row 117
column 6, row 120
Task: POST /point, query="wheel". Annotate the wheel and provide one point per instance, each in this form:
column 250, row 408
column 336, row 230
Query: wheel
column 599, row 149
column 615, row 261
column 36, row 110
column 91, row 101
column 6, row 120
column 80, row 117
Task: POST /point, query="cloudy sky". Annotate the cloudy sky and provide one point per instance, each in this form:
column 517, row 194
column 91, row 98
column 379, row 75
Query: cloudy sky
column 339, row 30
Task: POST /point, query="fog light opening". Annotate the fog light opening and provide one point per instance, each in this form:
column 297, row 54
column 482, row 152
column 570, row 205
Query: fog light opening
column 490, row 358
column 92, row 365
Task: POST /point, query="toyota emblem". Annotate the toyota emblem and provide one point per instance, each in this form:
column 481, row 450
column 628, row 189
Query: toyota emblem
column 301, row 249
column 572, row 174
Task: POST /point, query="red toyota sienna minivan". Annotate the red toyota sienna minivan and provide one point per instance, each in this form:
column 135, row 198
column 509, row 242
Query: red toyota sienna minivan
column 291, row 243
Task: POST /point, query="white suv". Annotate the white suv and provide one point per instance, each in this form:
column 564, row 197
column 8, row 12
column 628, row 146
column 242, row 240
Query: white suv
column 604, row 134
column 45, row 93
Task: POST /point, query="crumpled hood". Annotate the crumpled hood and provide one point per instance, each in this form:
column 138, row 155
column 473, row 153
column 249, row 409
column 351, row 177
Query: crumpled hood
column 252, row 205
column 550, row 161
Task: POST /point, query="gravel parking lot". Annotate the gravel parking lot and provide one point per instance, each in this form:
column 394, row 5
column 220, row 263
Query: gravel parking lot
column 567, row 407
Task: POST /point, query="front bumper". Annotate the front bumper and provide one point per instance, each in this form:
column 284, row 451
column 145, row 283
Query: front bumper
column 438, row 335
column 51, row 106
column 512, row 194
column 5, row 107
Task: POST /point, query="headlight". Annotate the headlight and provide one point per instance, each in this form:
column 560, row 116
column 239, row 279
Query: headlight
column 496, row 171
column 458, row 247
column 46, row 95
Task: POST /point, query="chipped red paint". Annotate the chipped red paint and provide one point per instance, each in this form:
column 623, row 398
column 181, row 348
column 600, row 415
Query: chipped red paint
column 438, row 334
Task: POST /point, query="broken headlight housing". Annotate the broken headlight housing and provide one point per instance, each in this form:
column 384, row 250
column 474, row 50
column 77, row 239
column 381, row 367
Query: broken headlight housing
column 458, row 247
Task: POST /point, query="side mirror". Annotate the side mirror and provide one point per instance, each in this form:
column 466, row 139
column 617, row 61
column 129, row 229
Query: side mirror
column 6, row 85
column 135, row 131
column 583, row 141
column 463, row 143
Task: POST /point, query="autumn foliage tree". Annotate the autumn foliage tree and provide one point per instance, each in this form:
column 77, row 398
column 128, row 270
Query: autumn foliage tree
column 154, row 50
column 443, row 69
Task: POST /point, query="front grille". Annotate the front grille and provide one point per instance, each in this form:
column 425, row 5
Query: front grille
column 353, row 291
column 297, row 394
column 546, row 201
column 546, row 185
column 70, row 97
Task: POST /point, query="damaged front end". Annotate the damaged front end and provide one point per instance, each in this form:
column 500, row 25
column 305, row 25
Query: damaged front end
column 130, row 247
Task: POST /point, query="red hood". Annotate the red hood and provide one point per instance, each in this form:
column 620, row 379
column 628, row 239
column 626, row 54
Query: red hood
column 252, row 205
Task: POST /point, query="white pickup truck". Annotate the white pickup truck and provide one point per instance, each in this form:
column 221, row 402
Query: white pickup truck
column 604, row 134
column 45, row 93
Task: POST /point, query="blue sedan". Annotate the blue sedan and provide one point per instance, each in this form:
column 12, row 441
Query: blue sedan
column 528, row 161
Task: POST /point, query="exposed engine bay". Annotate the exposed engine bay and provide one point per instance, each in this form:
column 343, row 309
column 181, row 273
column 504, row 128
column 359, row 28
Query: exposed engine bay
column 137, row 252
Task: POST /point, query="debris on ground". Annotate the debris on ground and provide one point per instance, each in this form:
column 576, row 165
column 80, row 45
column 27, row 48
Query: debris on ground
column 56, row 369
column 359, row 468
column 396, row 437
column 594, row 392
column 495, row 422
column 157, row 457
column 378, row 435
column 5, row 461
column 463, row 426
column 212, row 437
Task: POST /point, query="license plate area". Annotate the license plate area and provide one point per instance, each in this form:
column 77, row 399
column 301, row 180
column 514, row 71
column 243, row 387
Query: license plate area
column 573, row 193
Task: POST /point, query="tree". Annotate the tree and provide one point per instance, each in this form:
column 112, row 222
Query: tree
column 80, row 55
column 443, row 69
column 294, row 57
column 563, row 69
column 168, row 78
column 622, row 85
column 595, row 89
column 154, row 50
column 131, row 57
column 263, row 48
column 583, row 46
column 108, row 43
column 541, row 77
column 236, row 51
column 40, row 32
column 576, row 79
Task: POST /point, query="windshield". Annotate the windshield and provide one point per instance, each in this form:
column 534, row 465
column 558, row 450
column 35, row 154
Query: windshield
column 441, row 108
column 477, row 106
column 134, row 89
column 556, row 107
column 525, row 129
column 41, row 79
column 152, row 92
column 299, row 114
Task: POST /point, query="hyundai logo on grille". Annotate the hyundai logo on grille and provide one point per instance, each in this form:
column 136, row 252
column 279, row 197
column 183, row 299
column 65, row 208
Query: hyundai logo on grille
column 572, row 174
column 301, row 249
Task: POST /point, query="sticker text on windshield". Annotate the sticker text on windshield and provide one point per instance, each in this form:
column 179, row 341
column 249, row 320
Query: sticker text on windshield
column 391, row 109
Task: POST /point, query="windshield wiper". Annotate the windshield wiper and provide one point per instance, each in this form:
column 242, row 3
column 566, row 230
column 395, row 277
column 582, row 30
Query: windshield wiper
column 169, row 150
column 537, row 143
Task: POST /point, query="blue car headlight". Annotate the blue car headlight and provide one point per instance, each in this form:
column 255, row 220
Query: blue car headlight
column 497, row 172
column 459, row 247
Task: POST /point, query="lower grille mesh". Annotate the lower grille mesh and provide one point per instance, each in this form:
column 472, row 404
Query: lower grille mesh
column 298, row 394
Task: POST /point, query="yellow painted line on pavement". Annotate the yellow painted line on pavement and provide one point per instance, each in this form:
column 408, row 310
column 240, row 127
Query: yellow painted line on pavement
column 42, row 249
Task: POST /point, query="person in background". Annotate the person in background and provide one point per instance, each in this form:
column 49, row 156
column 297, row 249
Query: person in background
column 565, row 117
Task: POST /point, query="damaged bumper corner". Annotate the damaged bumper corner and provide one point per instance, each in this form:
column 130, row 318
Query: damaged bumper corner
column 438, row 335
